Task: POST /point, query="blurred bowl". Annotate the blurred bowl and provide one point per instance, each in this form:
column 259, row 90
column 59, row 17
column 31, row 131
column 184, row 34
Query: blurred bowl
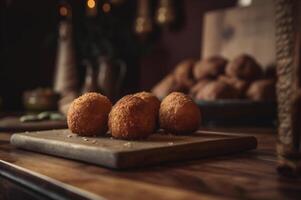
column 40, row 99
column 238, row 112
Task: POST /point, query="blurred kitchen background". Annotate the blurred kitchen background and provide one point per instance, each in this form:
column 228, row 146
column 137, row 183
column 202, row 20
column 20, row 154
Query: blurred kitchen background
column 29, row 40
column 53, row 51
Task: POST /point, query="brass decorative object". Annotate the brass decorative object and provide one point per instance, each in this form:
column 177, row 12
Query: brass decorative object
column 165, row 13
column 91, row 8
column 288, row 87
column 143, row 23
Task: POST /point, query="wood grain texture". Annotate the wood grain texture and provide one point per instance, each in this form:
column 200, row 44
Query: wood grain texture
column 249, row 175
column 120, row 154
column 13, row 124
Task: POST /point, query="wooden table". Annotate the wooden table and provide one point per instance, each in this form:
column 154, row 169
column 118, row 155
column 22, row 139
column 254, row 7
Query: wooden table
column 249, row 175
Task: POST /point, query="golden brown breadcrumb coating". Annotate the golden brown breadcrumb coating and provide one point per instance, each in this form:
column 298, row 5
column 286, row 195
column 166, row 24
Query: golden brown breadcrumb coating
column 153, row 102
column 131, row 118
column 150, row 99
column 179, row 114
column 88, row 114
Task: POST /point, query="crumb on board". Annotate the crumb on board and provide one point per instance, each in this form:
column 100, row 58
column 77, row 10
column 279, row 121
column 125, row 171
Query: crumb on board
column 94, row 141
column 85, row 139
column 128, row 144
column 170, row 143
column 69, row 136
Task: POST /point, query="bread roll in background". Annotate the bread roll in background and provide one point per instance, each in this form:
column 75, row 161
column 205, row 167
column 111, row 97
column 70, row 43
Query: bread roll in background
column 262, row 90
column 199, row 86
column 183, row 73
column 217, row 90
column 240, row 85
column 166, row 86
column 211, row 67
column 244, row 67
column 215, row 78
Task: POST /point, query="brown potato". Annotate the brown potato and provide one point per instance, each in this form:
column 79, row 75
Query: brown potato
column 88, row 114
column 244, row 67
column 217, row 90
column 209, row 68
column 262, row 90
column 183, row 73
column 131, row 118
column 179, row 114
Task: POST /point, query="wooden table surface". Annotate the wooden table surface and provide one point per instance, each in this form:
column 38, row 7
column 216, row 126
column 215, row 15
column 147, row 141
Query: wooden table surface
column 249, row 175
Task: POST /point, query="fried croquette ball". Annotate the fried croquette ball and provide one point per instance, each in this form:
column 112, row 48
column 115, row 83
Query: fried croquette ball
column 262, row 90
column 217, row 90
column 88, row 114
column 179, row 114
column 244, row 67
column 151, row 100
column 209, row 68
column 131, row 118
column 183, row 73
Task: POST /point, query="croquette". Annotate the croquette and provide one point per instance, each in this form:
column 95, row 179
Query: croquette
column 88, row 114
column 131, row 118
column 179, row 114
column 244, row 67
column 217, row 90
column 209, row 68
column 151, row 100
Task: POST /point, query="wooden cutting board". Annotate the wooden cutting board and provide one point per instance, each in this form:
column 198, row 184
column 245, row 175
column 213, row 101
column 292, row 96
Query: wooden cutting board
column 14, row 124
column 119, row 154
